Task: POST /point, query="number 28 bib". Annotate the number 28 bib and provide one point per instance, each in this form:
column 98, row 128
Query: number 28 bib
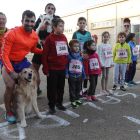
column 122, row 53
column 61, row 48
column 94, row 64
column 75, row 66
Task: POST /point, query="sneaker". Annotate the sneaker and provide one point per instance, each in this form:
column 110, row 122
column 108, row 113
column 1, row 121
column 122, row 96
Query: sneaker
column 61, row 107
column 132, row 82
column 110, row 93
column 39, row 92
column 122, row 88
column 78, row 102
column 128, row 84
column 104, row 92
column 89, row 98
column 94, row 98
column 10, row 117
column 52, row 110
column 114, row 87
column 73, row 104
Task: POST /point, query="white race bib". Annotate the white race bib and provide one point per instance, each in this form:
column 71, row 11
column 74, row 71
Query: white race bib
column 61, row 48
column 135, row 51
column 75, row 66
column 122, row 53
column 108, row 52
column 82, row 45
column 94, row 64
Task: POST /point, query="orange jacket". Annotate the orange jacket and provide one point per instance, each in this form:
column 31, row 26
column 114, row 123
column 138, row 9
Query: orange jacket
column 16, row 45
column 1, row 40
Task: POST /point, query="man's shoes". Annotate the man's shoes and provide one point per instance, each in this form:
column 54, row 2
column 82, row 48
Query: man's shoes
column 52, row 110
column 73, row 104
column 132, row 82
column 78, row 102
column 114, row 87
column 128, row 84
column 61, row 107
column 10, row 117
column 39, row 92
column 122, row 88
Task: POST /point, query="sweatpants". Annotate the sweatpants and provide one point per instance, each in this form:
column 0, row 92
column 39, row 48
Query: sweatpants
column 93, row 79
column 74, row 87
column 119, row 68
column 105, row 75
column 131, row 72
column 55, row 82
column 85, row 83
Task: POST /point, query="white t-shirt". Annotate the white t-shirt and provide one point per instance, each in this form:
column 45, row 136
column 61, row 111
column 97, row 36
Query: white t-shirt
column 107, row 62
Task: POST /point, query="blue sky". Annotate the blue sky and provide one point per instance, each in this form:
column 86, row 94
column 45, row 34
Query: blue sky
column 14, row 8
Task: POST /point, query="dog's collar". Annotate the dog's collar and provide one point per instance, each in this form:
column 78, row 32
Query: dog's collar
column 27, row 80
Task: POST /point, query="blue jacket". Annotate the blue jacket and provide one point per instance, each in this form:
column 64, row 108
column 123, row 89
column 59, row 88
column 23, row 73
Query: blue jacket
column 71, row 73
column 133, row 58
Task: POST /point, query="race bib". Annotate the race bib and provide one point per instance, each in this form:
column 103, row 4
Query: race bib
column 122, row 53
column 75, row 66
column 108, row 52
column 135, row 51
column 82, row 45
column 94, row 64
column 61, row 48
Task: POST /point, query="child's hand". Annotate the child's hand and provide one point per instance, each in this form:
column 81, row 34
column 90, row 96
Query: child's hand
column 128, row 64
column 112, row 66
column 84, row 56
column 67, row 76
column 99, row 74
column 47, row 75
column 103, row 67
column 87, row 78
column 131, row 62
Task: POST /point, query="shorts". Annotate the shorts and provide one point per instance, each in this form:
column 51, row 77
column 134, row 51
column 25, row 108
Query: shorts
column 37, row 59
column 18, row 67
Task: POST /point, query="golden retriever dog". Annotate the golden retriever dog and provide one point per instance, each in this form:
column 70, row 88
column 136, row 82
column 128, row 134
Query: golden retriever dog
column 25, row 96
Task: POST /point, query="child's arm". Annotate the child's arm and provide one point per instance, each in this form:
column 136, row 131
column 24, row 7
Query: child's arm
column 86, row 67
column 114, row 52
column 83, row 71
column 74, row 36
column 67, row 70
column 100, row 55
column 99, row 64
column 45, row 54
column 129, row 54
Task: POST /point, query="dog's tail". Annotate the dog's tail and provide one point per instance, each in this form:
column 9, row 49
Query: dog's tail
column 2, row 106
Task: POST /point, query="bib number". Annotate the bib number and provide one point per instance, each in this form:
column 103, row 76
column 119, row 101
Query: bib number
column 122, row 53
column 135, row 51
column 108, row 52
column 94, row 64
column 61, row 48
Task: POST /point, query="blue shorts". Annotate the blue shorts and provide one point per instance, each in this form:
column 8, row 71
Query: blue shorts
column 18, row 67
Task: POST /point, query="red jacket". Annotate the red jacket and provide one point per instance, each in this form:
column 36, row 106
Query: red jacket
column 87, row 69
column 17, row 43
column 50, row 60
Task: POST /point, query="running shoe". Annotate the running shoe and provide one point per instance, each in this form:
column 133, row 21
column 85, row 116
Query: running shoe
column 10, row 117
column 132, row 82
column 73, row 104
column 78, row 102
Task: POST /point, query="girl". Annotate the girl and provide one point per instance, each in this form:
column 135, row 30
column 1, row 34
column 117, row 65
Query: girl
column 92, row 68
column 131, row 70
column 106, row 60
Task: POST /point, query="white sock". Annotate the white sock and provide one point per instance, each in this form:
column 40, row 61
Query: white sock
column 80, row 92
column 84, row 89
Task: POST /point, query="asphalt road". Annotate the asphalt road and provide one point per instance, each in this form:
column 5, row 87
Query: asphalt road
column 115, row 117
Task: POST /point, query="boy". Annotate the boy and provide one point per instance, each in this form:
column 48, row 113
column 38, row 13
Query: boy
column 54, row 62
column 82, row 35
column 74, row 73
column 122, row 58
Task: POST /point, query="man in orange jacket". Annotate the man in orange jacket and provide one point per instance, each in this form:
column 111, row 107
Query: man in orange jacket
column 3, row 30
column 17, row 43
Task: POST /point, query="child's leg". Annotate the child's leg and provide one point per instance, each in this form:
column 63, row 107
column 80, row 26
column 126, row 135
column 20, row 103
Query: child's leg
column 106, row 79
column 127, row 75
column 60, row 85
column 52, row 87
column 132, row 74
column 72, row 87
column 116, row 73
column 85, row 84
column 93, row 84
column 78, row 86
column 123, row 68
column 103, row 78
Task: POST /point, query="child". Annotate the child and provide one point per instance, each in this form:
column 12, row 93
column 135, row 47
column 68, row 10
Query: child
column 74, row 73
column 92, row 68
column 121, row 58
column 54, row 62
column 82, row 35
column 106, row 60
column 130, row 73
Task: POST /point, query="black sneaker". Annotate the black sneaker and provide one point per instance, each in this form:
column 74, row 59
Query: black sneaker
column 52, row 110
column 114, row 87
column 122, row 88
column 61, row 107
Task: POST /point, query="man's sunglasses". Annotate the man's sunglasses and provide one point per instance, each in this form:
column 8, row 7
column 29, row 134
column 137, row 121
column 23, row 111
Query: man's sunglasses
column 126, row 25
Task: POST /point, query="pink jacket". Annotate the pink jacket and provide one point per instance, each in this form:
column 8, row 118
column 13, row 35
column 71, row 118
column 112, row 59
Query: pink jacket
column 87, row 69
